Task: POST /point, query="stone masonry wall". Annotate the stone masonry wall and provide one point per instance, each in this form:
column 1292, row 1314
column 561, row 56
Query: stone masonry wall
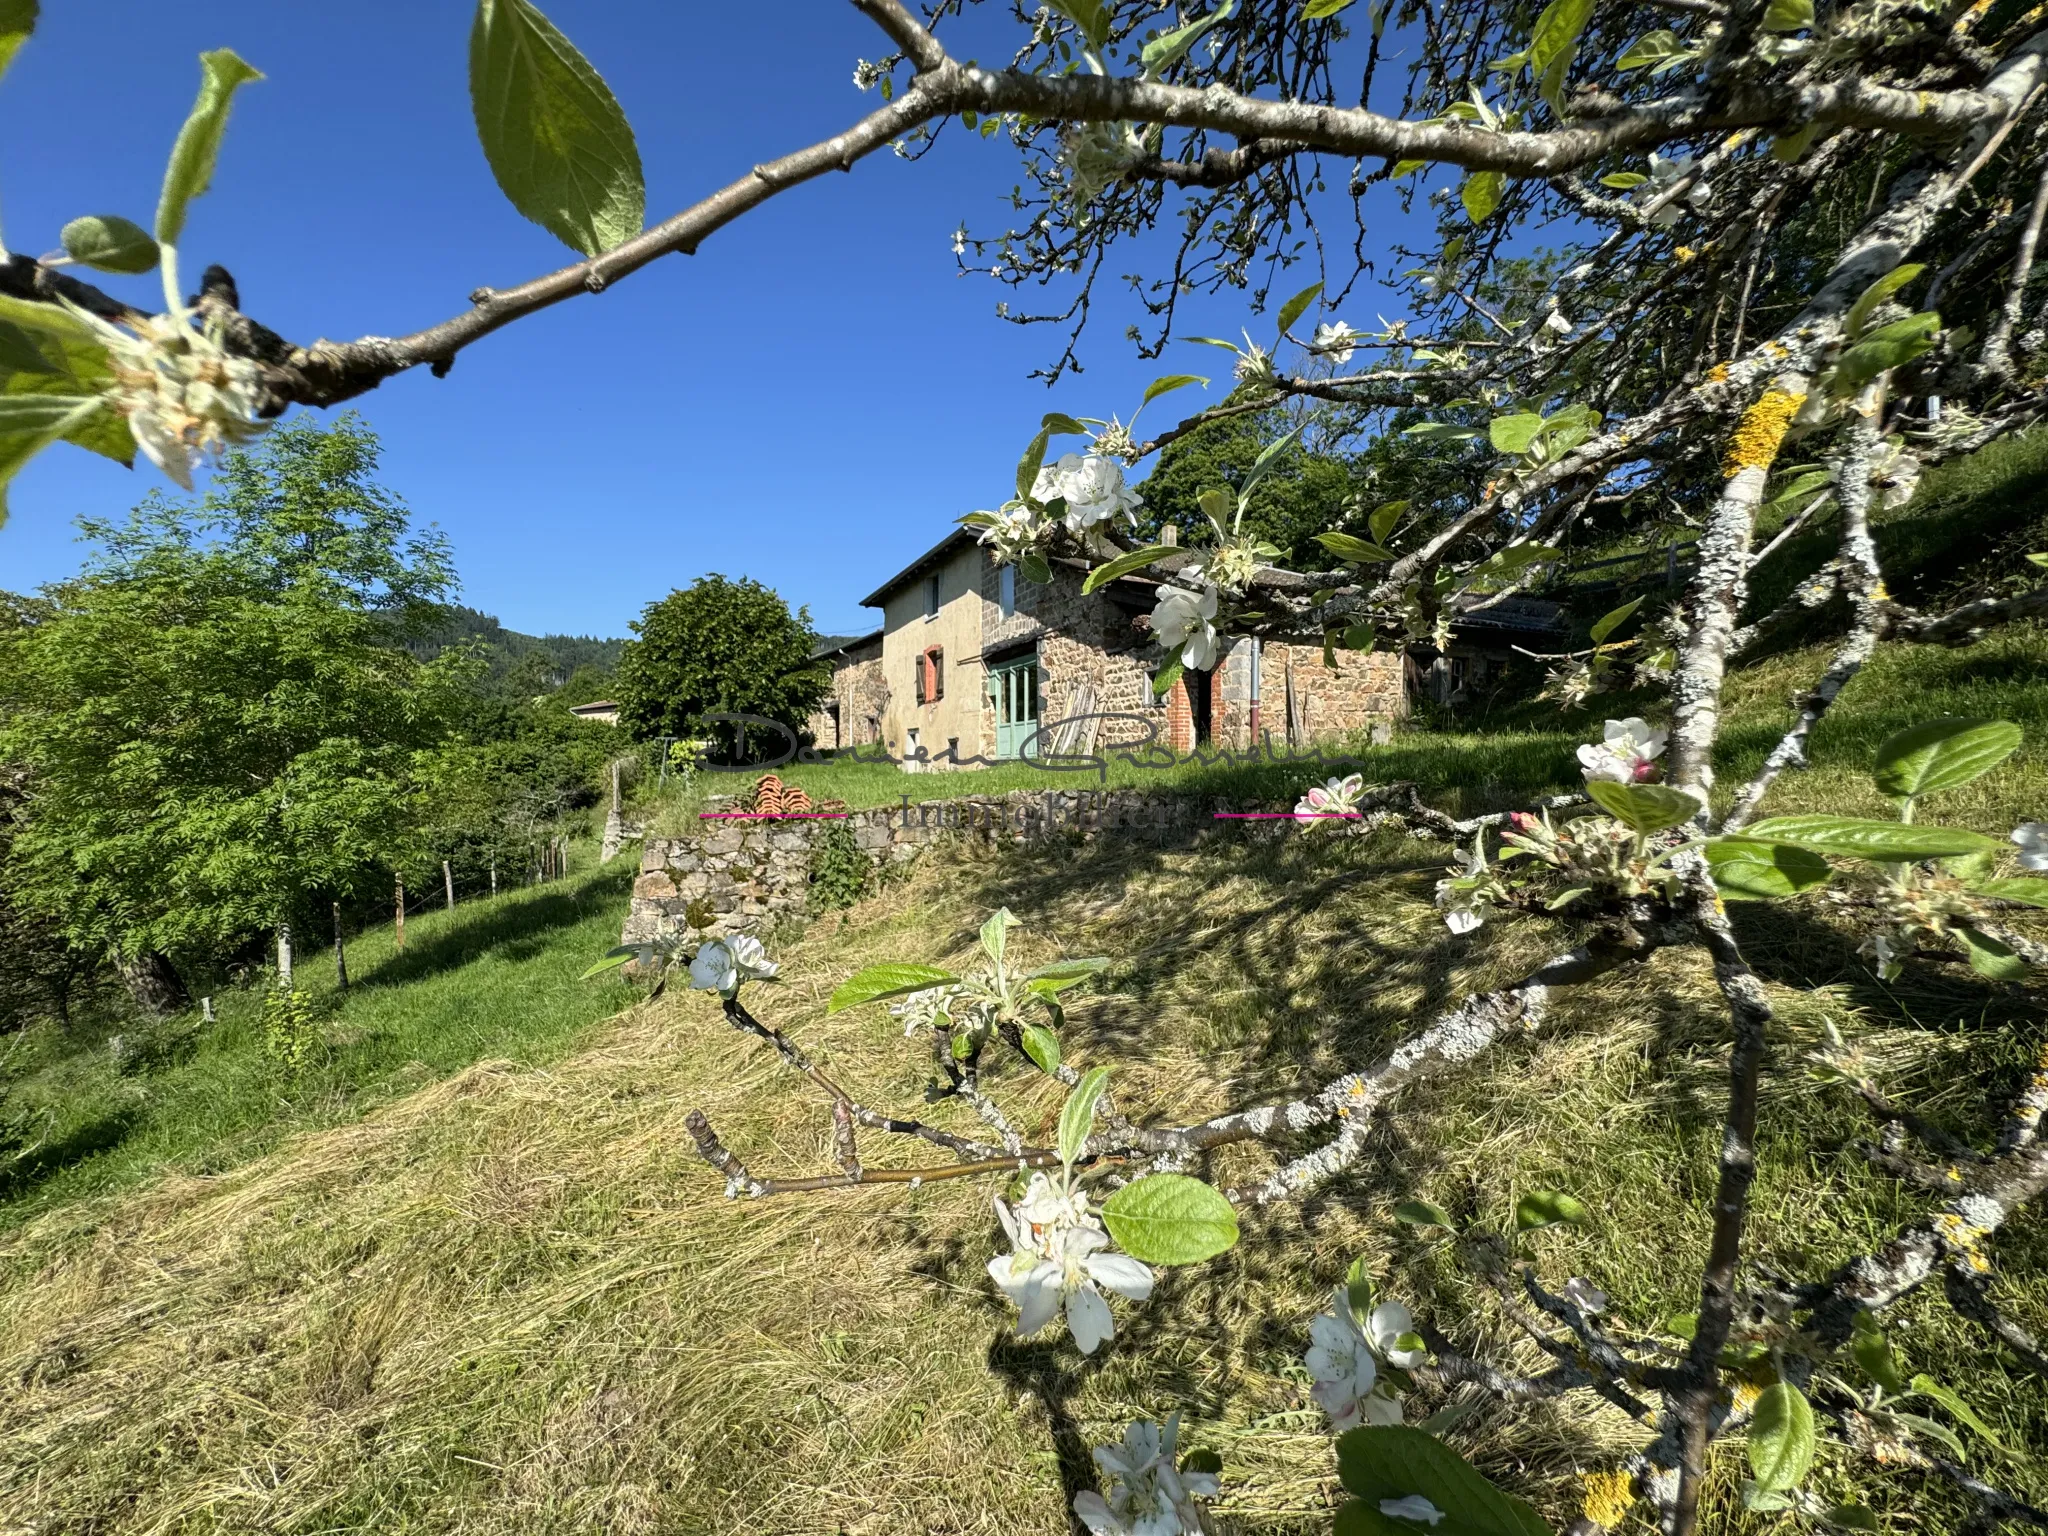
column 1081, row 639
column 754, row 874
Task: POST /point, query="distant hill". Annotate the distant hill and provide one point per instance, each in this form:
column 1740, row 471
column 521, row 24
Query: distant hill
column 507, row 647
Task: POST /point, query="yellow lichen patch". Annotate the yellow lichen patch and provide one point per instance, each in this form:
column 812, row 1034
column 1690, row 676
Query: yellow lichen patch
column 1745, row 1395
column 1608, row 1497
column 1761, row 430
column 1718, row 374
column 1684, row 253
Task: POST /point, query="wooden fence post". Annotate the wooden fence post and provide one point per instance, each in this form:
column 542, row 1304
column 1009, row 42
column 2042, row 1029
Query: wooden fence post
column 398, row 916
column 448, row 883
column 340, row 954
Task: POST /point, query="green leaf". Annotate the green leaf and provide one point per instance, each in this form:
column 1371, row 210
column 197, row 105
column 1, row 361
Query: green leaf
column 1089, row 16
column 995, row 933
column 1062, row 974
column 1927, row 1386
column 1514, row 434
column 1123, row 565
column 1167, row 49
column 1546, row 1208
column 1386, row 517
column 21, row 352
column 1169, row 1218
column 1942, row 754
column 1043, row 1047
column 1035, row 567
column 1166, row 676
column 1800, row 487
column 1077, row 1116
column 1851, row 1517
column 2033, row 893
column 1610, row 622
column 1650, row 48
column 1297, row 306
column 1358, row 1286
column 68, row 361
column 110, row 243
column 1205, row 1460
column 1382, row 1463
column 1263, row 464
column 1788, row 15
column 1876, row 294
column 1934, row 1429
column 1481, row 194
column 1990, row 957
column 875, row 982
column 29, row 424
column 1645, row 807
column 1167, row 385
column 621, row 955
column 1060, row 424
column 1557, row 33
column 1032, row 462
column 1747, row 870
column 1887, row 347
column 1682, row 1325
column 17, row 21
column 1872, row 1352
column 221, row 74
column 1853, row 837
column 1322, row 10
column 1624, row 181
column 1347, row 546
column 1788, row 148
column 1781, row 1438
column 556, row 139
column 1420, row 1213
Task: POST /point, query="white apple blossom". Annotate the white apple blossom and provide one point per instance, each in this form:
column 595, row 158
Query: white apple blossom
column 1663, row 172
column 1058, row 1262
column 1627, row 755
column 1464, row 904
column 1411, row 1507
column 1149, row 1494
column 1184, row 621
column 1336, row 341
column 1335, row 798
column 184, row 394
column 1344, row 1358
column 1556, row 322
column 1585, row 1295
column 2032, row 837
column 1094, row 487
column 1880, row 948
column 722, row 964
column 1016, row 529
column 923, row 1010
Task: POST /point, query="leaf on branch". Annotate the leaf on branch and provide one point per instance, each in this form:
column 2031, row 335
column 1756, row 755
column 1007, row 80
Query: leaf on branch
column 1788, row 15
column 1167, row 385
column 1060, row 424
column 1167, row 49
column 1927, row 1386
column 1781, row 1437
column 1557, row 33
column 1124, row 564
column 1043, row 1047
column 1609, row 622
column 1383, row 1463
column 1644, row 807
column 1624, row 181
column 1873, row 1353
column 555, row 136
column 1169, row 1219
column 876, row 982
column 1091, row 16
column 1991, row 957
column 1887, row 347
column 1035, row 568
column 1420, row 1213
column 1062, row 974
column 1349, row 547
column 619, row 956
column 1876, row 294
column 1077, row 1116
column 1386, row 517
column 190, row 172
column 1857, row 837
column 1481, row 194
column 17, row 22
column 1650, row 48
column 1746, row 870
column 1169, row 674
column 1297, row 306
column 29, row 424
column 1323, row 10
column 1547, row 1208
column 995, row 933
column 1032, row 462
column 1514, row 434
column 2032, row 893
column 1942, row 754
column 109, row 243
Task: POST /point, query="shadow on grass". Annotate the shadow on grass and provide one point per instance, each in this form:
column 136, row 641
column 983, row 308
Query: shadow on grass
column 24, row 1170
column 516, row 930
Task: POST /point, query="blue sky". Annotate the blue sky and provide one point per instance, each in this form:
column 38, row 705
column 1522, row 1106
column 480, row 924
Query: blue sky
column 810, row 400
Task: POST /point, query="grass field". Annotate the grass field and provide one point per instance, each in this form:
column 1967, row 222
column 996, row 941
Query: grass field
column 491, row 978
column 514, row 1300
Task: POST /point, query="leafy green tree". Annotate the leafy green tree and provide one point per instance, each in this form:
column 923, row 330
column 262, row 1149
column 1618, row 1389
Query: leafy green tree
column 217, row 720
column 718, row 647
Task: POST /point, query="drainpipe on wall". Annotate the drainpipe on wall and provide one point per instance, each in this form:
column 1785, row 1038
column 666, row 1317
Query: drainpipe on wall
column 1254, row 711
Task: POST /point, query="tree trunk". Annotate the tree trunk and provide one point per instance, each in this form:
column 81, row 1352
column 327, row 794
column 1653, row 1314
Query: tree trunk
column 398, row 916
column 494, row 874
column 340, row 954
column 448, row 883
column 284, row 956
column 153, row 983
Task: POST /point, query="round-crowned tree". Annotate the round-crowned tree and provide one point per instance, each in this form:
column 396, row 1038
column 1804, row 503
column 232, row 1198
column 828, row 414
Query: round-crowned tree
column 719, row 647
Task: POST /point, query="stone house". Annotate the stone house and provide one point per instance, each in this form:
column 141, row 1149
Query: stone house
column 851, row 715
column 976, row 665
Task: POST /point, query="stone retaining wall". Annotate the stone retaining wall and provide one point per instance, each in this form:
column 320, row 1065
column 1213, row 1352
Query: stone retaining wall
column 754, row 874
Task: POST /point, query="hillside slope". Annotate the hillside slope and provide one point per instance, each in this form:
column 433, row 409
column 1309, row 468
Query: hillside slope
column 517, row 1300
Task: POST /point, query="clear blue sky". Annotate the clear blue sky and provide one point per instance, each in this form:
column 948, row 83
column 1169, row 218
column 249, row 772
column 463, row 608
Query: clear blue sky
column 811, row 400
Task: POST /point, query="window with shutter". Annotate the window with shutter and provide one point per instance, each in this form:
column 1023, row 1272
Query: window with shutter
column 920, row 681
column 938, row 661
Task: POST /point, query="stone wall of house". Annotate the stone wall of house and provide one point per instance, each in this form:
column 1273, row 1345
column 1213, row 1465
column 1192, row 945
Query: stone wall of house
column 852, row 715
column 1082, row 639
column 1364, row 690
column 754, row 874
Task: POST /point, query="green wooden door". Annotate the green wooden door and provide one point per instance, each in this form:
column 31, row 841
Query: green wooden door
column 1014, row 687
